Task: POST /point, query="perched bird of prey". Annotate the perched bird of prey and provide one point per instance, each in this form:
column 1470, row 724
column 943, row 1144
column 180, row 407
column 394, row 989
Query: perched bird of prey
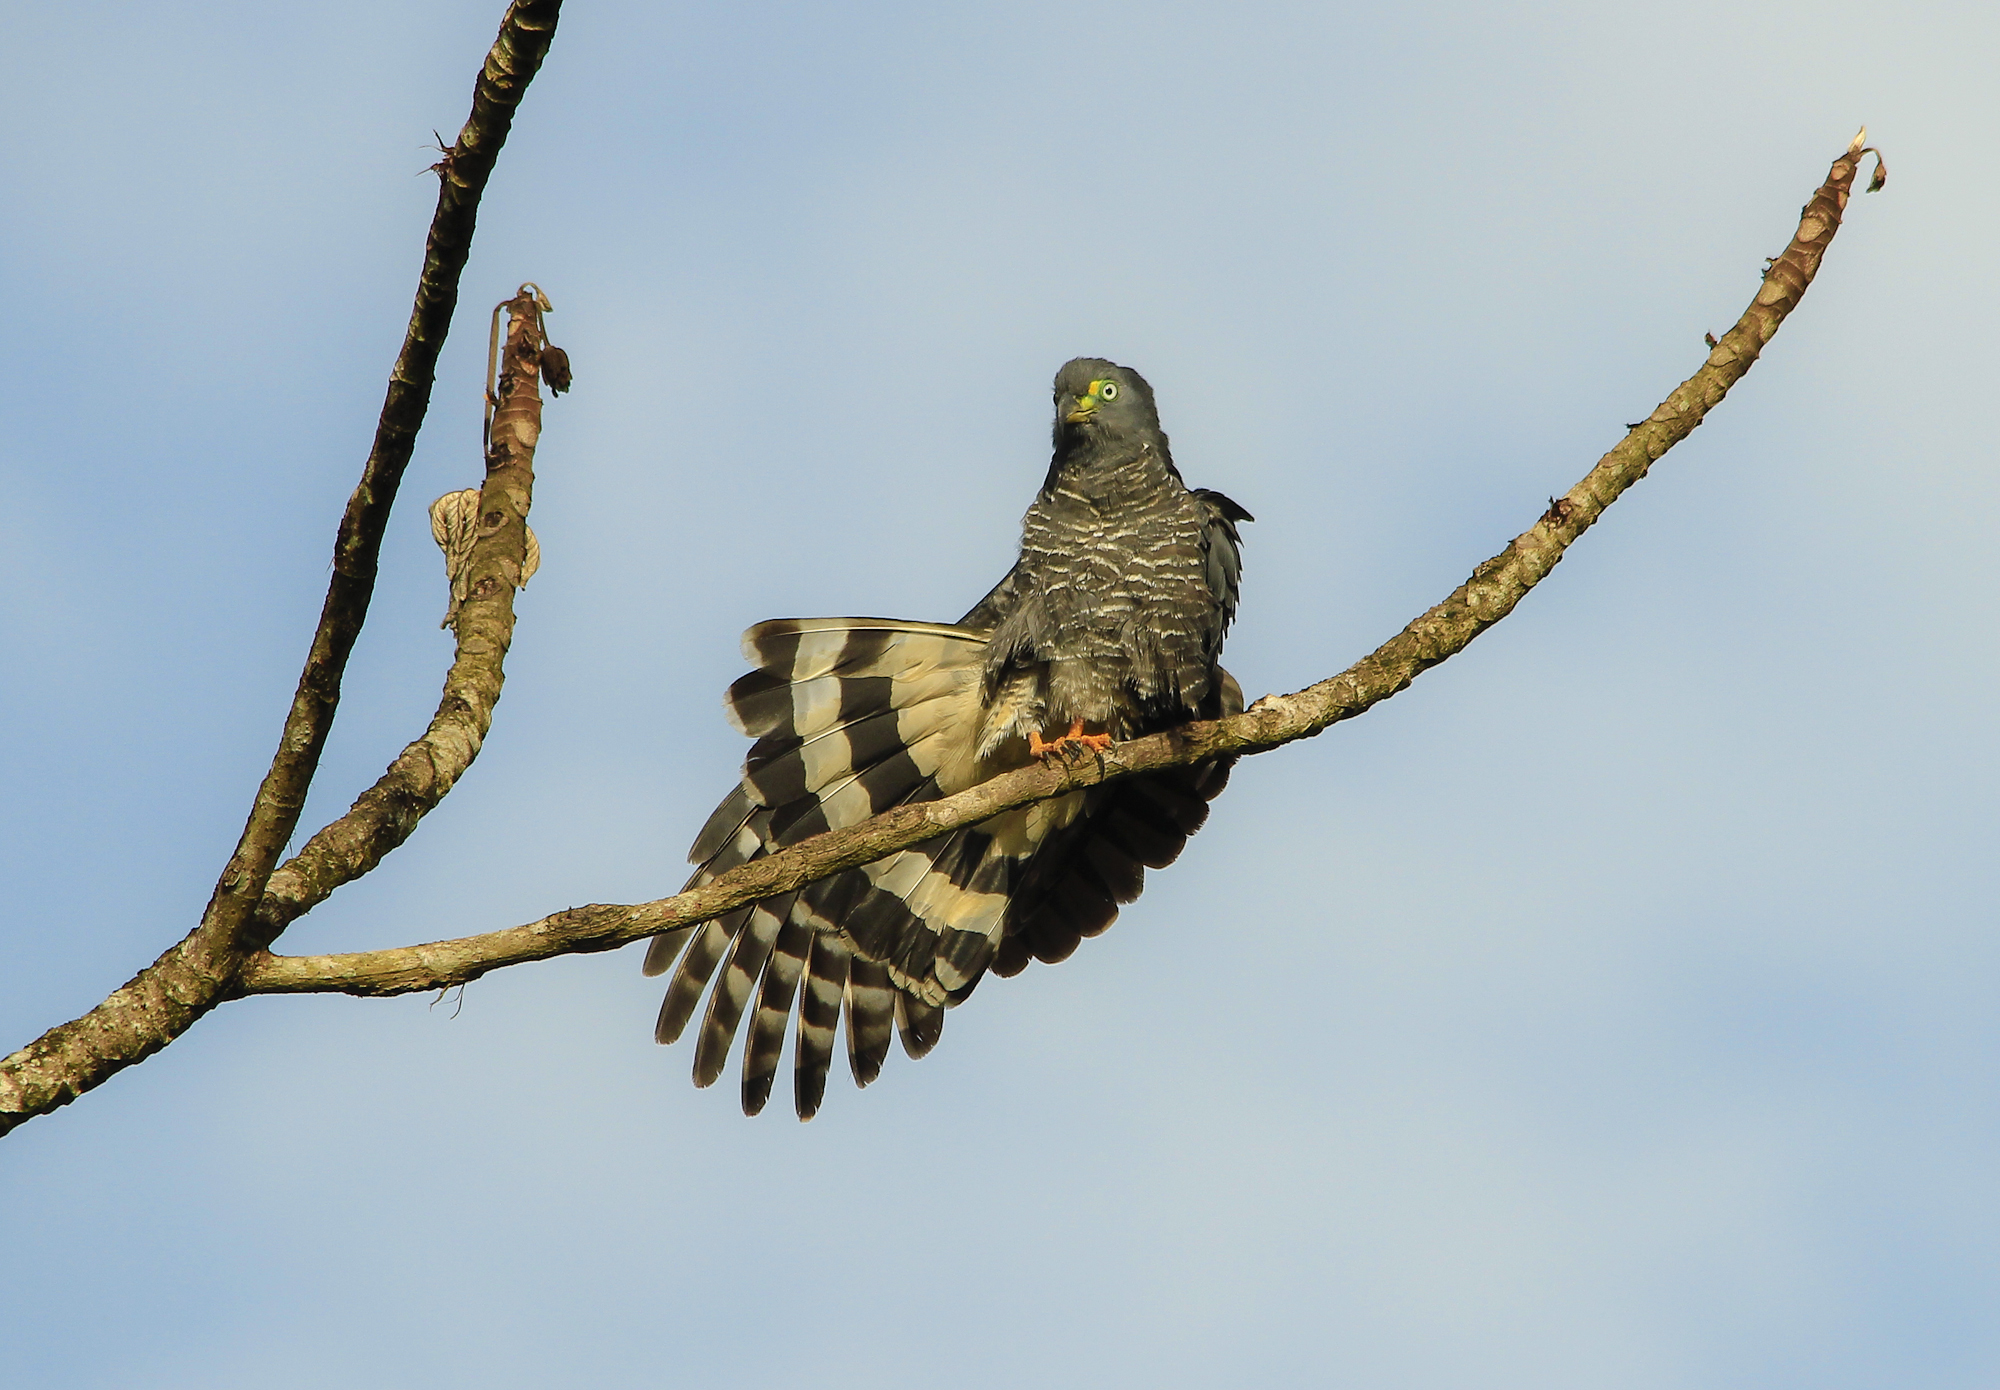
column 1109, row 626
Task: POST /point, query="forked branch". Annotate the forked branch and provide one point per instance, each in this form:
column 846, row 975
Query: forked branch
column 201, row 970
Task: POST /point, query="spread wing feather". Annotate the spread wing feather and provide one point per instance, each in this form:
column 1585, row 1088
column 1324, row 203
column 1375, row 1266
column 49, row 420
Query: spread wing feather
column 766, row 1039
column 871, row 1018
column 852, row 716
column 745, row 966
column 819, row 1016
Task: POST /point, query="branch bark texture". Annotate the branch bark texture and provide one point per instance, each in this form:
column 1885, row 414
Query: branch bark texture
column 1489, row 595
column 201, row 970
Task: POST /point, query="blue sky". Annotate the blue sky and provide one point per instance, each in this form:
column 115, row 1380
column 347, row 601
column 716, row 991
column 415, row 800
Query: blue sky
column 1614, row 1008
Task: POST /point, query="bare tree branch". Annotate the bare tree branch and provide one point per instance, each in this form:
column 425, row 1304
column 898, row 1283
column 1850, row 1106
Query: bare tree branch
column 199, row 971
column 1491, row 593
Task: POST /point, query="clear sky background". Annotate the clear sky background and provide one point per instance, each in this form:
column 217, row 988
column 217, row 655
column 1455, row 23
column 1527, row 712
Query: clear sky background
column 1614, row 1008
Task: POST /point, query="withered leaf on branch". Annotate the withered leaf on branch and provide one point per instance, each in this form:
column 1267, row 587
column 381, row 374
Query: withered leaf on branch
column 555, row 368
column 455, row 526
column 1860, row 146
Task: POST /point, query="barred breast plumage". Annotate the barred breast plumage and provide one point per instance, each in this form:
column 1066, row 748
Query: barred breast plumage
column 1110, row 624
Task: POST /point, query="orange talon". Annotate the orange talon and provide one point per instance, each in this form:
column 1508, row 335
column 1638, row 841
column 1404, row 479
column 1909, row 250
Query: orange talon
column 1075, row 738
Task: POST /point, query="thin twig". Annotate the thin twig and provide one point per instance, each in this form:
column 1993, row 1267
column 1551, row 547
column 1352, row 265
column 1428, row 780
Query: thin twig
column 1484, row 599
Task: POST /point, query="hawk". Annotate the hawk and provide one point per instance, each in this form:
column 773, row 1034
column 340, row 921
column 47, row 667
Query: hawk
column 1109, row 626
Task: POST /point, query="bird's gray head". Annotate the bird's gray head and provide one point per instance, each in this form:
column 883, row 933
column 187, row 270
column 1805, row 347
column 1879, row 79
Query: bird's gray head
column 1100, row 404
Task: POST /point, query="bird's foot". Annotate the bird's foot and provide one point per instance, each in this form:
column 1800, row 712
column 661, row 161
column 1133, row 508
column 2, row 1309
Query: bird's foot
column 1068, row 743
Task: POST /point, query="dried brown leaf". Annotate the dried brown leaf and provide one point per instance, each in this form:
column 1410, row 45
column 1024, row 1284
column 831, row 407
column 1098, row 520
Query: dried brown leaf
column 555, row 368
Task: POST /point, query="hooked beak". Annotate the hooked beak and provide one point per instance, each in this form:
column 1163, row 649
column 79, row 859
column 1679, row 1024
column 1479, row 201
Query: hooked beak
column 1081, row 411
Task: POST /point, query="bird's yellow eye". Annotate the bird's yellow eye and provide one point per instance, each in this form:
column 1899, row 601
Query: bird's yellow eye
column 1107, row 390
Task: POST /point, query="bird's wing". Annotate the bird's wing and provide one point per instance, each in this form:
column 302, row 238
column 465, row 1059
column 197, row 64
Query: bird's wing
column 853, row 716
column 1222, row 547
